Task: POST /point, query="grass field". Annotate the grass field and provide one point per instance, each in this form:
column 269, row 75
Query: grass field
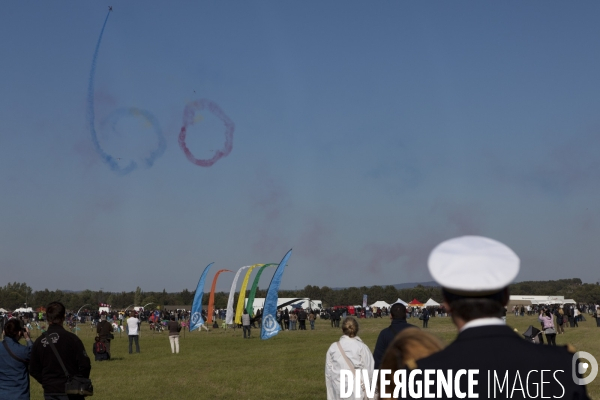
column 221, row 365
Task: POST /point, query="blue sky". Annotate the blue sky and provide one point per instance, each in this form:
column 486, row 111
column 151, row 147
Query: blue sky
column 365, row 134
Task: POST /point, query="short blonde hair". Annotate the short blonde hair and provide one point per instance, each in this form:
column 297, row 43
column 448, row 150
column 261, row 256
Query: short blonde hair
column 408, row 346
column 350, row 327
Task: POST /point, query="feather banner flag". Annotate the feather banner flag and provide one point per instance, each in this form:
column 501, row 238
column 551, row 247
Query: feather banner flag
column 229, row 315
column 196, row 318
column 250, row 304
column 270, row 327
column 240, row 304
column 211, row 298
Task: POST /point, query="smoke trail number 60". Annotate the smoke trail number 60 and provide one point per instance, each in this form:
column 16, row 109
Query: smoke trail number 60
column 188, row 119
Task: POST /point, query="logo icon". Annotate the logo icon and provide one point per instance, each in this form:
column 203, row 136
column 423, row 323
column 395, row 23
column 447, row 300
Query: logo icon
column 53, row 336
column 583, row 367
column 269, row 323
column 196, row 319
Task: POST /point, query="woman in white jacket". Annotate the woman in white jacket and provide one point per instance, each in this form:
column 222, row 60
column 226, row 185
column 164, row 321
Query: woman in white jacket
column 355, row 350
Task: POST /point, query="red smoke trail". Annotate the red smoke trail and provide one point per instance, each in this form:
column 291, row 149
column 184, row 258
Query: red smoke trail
column 188, row 119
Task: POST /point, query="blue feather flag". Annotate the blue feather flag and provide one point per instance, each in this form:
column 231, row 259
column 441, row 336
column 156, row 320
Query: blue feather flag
column 270, row 327
column 196, row 318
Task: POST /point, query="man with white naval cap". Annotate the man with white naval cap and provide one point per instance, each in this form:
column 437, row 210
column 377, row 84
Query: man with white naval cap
column 474, row 273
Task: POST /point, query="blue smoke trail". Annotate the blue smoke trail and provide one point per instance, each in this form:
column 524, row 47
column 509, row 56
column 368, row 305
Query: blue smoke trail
column 107, row 158
column 150, row 119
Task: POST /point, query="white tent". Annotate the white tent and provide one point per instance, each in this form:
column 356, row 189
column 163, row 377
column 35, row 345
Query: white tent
column 2, row 310
column 380, row 304
column 24, row 310
column 432, row 303
column 401, row 301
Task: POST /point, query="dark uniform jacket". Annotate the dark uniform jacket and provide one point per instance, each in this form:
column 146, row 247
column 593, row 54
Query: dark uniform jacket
column 386, row 337
column 44, row 365
column 104, row 329
column 498, row 348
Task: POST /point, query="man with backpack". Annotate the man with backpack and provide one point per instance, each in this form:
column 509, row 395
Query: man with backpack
column 386, row 336
column 104, row 331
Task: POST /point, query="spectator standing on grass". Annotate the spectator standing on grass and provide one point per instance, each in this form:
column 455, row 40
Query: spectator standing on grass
column 425, row 316
column 293, row 321
column 569, row 313
column 14, row 362
column 565, row 314
column 279, row 318
column 547, row 321
column 558, row 313
column 104, row 331
column 44, row 365
column 286, row 319
column 302, row 319
column 337, row 318
column 474, row 273
column 246, row 323
column 349, row 353
column 311, row 319
column 386, row 336
column 258, row 317
column 133, row 331
column 174, row 330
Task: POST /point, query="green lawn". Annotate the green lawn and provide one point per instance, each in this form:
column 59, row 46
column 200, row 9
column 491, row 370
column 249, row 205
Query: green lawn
column 221, row 365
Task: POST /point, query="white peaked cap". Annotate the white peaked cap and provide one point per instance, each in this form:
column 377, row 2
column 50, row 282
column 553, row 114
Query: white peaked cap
column 473, row 265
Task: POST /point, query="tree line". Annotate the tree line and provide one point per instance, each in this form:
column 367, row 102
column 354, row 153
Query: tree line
column 16, row 295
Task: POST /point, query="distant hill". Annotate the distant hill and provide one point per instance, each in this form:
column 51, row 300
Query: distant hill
column 408, row 285
column 411, row 285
